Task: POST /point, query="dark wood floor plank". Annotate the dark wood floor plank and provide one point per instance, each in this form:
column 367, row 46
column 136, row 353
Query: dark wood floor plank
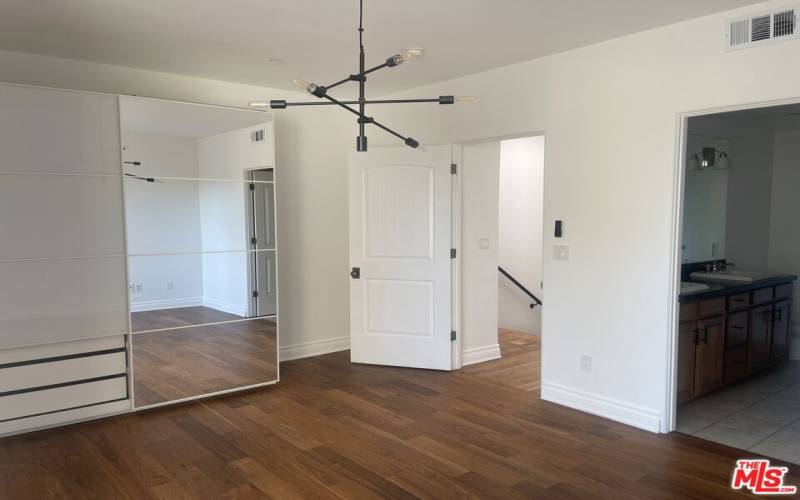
column 336, row 430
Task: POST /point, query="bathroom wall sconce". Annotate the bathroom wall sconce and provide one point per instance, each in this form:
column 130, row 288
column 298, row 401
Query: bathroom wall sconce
column 709, row 158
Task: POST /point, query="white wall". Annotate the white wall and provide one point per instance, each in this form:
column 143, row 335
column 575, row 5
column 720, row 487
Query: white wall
column 520, row 231
column 163, row 218
column 312, row 146
column 749, row 186
column 609, row 112
column 784, row 247
column 223, row 213
column 480, row 172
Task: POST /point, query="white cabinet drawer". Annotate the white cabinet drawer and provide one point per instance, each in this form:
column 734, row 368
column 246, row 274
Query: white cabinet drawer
column 62, row 398
column 34, row 375
column 43, row 351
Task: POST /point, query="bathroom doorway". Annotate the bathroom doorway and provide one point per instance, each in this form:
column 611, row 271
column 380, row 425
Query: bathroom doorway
column 737, row 343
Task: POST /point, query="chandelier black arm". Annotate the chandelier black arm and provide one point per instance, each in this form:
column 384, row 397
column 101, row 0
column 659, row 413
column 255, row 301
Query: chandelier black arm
column 444, row 99
column 407, row 140
column 356, row 78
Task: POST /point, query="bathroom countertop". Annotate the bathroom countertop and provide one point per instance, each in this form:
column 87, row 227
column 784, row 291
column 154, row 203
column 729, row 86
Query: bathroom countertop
column 719, row 289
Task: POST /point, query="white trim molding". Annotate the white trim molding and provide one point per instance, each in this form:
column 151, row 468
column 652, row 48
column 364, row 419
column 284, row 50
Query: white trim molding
column 480, row 354
column 155, row 305
column 227, row 307
column 313, row 348
column 614, row 409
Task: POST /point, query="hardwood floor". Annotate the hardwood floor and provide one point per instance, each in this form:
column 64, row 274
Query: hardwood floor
column 175, row 364
column 182, row 316
column 331, row 429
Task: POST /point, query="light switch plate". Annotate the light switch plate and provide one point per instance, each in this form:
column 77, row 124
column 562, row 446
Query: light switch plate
column 561, row 252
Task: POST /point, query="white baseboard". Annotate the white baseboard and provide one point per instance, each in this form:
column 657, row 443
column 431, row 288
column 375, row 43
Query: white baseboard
column 794, row 341
column 480, row 354
column 613, row 409
column 314, row 348
column 227, row 307
column 154, row 305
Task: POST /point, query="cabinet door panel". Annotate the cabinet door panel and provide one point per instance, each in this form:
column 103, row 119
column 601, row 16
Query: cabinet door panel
column 737, row 329
column 735, row 364
column 760, row 326
column 687, row 344
column 710, row 354
column 781, row 328
column 58, row 131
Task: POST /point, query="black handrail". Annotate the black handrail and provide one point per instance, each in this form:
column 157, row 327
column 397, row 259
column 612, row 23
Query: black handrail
column 536, row 301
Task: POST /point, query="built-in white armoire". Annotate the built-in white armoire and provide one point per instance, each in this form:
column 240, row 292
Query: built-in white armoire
column 138, row 254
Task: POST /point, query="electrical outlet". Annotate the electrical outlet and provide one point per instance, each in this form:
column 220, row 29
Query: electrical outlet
column 170, row 285
column 483, row 243
column 138, row 287
column 586, row 363
column 561, row 252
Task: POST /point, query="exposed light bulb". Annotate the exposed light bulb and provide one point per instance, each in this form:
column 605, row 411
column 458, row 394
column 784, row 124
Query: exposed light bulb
column 408, row 55
column 466, row 98
column 302, row 84
column 259, row 104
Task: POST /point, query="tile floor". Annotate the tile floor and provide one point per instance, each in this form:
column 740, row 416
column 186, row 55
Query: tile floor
column 761, row 414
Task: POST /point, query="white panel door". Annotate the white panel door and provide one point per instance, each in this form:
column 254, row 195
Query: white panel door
column 400, row 218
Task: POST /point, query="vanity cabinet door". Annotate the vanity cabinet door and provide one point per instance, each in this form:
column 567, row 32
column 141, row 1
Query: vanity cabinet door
column 687, row 345
column 781, row 327
column 760, row 327
column 710, row 354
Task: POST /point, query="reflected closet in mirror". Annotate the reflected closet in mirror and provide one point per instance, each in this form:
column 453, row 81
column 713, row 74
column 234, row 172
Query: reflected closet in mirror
column 199, row 187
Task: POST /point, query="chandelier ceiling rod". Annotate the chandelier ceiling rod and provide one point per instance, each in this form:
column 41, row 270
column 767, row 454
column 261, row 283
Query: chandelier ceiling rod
column 321, row 92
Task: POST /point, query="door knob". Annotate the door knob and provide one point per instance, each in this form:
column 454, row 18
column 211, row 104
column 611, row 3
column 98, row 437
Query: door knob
column 355, row 273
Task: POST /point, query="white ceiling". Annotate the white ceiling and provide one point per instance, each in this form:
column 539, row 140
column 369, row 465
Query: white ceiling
column 232, row 40
column 194, row 121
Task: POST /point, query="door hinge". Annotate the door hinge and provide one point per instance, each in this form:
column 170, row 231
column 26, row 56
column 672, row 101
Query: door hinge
column 452, row 253
column 252, row 187
column 453, row 168
column 452, row 335
column 253, row 241
column 255, row 294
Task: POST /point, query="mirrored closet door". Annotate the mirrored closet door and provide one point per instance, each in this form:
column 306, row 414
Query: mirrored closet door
column 199, row 189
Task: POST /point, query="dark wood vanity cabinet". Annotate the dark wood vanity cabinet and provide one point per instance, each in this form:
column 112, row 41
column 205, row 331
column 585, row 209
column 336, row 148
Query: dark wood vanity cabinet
column 758, row 345
column 687, row 349
column 722, row 340
column 781, row 330
column 710, row 354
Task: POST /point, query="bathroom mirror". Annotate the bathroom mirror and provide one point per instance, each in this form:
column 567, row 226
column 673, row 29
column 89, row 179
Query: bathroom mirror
column 199, row 188
column 705, row 198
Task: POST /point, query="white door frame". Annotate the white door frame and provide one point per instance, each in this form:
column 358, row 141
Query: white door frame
column 669, row 423
column 458, row 243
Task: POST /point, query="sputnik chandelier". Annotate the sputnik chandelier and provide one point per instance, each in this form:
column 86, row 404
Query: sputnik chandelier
column 321, row 92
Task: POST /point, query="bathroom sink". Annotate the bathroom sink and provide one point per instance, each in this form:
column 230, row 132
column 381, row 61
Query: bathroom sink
column 687, row 287
column 732, row 275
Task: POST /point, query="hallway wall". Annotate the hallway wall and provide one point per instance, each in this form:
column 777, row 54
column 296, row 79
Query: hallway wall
column 520, row 218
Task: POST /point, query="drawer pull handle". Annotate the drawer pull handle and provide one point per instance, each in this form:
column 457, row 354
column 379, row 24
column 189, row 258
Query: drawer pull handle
column 737, row 327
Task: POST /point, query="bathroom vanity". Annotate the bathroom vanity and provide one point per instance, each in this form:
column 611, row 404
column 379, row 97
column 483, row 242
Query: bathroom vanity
column 731, row 330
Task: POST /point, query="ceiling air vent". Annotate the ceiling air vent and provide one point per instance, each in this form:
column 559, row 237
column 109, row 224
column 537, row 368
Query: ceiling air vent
column 764, row 28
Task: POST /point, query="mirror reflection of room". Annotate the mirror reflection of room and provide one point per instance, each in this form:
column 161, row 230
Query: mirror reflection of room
column 199, row 187
column 738, row 380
